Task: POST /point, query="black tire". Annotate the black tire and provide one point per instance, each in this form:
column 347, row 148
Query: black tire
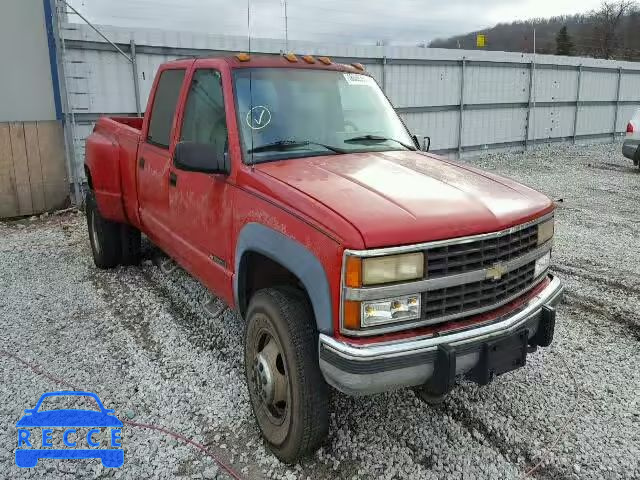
column 131, row 242
column 300, row 426
column 104, row 236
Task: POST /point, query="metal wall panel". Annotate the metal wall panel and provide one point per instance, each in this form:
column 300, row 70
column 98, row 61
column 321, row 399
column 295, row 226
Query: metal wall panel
column 555, row 85
column 595, row 119
column 425, row 81
column 496, row 84
column 553, row 122
column 496, row 125
column 630, row 87
column 442, row 127
column 599, row 85
column 423, row 85
column 624, row 115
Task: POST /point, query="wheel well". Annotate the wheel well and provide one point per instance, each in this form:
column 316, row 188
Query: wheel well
column 259, row 271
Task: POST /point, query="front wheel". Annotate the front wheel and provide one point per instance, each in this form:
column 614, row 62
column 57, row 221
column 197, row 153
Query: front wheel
column 288, row 394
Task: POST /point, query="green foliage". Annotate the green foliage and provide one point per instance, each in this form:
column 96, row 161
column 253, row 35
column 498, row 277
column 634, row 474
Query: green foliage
column 609, row 32
column 564, row 45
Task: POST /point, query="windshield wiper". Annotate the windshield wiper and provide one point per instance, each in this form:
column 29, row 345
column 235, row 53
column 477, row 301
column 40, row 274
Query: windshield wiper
column 290, row 144
column 377, row 138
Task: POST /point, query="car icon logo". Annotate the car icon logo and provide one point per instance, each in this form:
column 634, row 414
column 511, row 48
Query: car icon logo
column 100, row 431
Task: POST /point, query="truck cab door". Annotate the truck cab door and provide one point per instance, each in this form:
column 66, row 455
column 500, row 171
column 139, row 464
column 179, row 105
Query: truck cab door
column 154, row 157
column 199, row 202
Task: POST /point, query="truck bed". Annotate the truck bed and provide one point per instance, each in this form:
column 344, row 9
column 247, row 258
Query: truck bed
column 117, row 194
column 133, row 122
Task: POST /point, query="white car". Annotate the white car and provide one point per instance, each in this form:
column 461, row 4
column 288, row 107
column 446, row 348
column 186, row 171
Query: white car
column 631, row 142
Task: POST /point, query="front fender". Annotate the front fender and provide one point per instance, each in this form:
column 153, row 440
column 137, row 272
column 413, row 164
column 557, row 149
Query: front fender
column 296, row 258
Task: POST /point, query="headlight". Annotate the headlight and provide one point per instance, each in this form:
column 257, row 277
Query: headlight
column 545, row 231
column 390, row 311
column 542, row 265
column 395, row 268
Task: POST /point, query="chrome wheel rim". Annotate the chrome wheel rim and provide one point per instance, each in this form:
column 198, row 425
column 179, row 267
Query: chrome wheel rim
column 94, row 234
column 270, row 377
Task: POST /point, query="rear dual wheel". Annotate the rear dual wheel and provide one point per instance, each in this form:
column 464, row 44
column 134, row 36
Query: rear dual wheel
column 112, row 243
column 288, row 393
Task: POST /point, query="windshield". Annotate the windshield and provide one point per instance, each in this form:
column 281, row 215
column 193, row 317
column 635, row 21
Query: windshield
column 289, row 113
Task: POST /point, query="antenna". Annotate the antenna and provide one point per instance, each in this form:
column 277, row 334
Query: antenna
column 249, row 24
column 252, row 163
column 286, row 27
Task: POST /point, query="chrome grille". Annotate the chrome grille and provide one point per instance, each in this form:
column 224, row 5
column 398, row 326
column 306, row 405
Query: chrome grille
column 479, row 254
column 454, row 302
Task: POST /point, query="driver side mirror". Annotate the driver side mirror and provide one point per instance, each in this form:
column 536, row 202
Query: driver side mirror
column 200, row 157
column 426, row 144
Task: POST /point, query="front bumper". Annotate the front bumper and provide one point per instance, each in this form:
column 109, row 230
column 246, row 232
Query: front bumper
column 368, row 369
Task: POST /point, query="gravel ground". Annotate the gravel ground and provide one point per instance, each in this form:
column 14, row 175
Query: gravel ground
column 141, row 340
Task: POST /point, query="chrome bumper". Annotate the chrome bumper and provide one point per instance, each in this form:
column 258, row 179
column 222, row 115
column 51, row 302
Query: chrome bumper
column 374, row 368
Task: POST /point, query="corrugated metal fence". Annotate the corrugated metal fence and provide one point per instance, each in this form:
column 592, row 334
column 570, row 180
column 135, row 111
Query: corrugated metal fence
column 466, row 101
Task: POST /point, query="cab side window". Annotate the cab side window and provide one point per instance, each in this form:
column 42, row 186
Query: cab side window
column 164, row 107
column 204, row 117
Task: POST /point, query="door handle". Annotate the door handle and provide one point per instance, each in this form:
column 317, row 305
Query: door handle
column 173, row 179
column 141, row 163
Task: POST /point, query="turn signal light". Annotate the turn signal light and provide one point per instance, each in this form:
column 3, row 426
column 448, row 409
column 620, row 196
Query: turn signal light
column 243, row 57
column 291, row 57
column 351, row 315
column 353, row 272
column 325, row 60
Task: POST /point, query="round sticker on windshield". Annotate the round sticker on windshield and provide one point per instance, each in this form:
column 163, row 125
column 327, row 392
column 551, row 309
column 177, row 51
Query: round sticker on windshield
column 258, row 117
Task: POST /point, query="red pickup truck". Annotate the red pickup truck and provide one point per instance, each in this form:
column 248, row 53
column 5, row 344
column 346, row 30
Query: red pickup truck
column 291, row 189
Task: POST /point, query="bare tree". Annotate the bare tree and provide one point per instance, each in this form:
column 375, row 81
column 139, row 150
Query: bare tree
column 607, row 21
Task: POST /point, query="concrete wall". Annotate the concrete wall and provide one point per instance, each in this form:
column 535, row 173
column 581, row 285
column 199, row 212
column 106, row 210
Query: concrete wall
column 33, row 177
column 26, row 92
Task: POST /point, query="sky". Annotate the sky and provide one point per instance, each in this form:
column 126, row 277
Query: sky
column 398, row 22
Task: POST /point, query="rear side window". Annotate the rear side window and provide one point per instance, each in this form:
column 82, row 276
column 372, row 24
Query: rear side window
column 164, row 107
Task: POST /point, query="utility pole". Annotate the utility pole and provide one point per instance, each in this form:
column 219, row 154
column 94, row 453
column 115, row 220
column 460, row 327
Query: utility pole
column 533, row 90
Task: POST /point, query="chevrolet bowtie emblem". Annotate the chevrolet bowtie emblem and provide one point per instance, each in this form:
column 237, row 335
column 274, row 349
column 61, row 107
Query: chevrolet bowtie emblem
column 496, row 271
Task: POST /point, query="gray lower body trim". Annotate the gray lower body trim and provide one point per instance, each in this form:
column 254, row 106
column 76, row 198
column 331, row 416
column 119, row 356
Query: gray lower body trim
column 363, row 370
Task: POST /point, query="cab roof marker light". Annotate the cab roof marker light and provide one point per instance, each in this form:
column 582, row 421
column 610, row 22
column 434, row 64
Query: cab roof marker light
column 291, row 57
column 325, row 60
column 309, row 59
column 243, row 57
column 359, row 66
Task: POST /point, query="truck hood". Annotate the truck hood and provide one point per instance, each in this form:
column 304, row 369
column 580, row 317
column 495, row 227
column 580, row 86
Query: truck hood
column 400, row 198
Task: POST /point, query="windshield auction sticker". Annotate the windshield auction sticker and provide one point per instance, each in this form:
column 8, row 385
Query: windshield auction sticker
column 258, row 117
column 92, row 431
column 357, row 79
